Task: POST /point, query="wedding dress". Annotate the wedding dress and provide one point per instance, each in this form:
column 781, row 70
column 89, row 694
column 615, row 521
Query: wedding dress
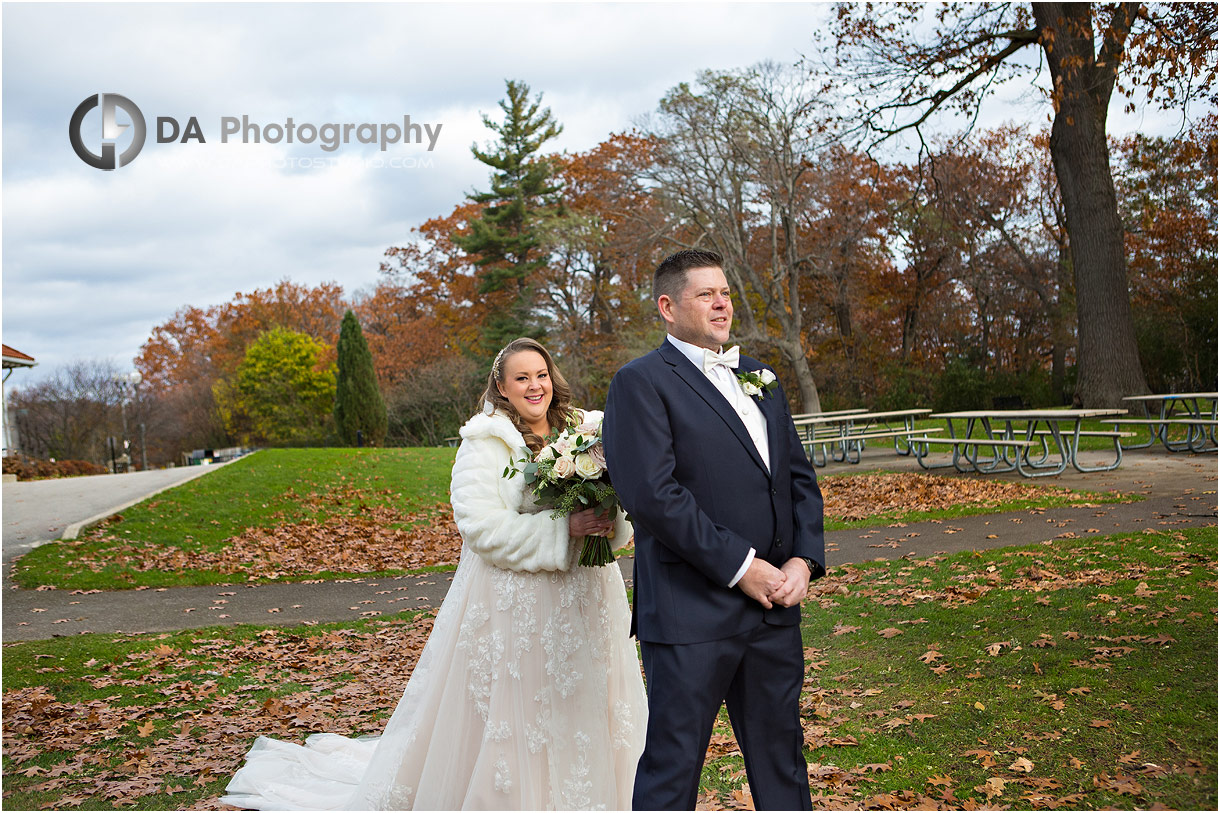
column 527, row 695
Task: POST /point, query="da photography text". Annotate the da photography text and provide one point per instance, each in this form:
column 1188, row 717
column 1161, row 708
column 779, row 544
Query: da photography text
column 328, row 136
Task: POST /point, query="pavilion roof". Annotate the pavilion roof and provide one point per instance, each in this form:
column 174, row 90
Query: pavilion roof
column 15, row 358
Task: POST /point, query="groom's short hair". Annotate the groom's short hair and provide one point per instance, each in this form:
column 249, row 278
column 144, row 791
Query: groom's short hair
column 670, row 277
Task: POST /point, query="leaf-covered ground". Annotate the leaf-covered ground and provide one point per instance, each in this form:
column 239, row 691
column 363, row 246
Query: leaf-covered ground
column 1078, row 674
column 330, row 492
column 1067, row 675
column 352, row 527
column 161, row 721
column 878, row 497
column 379, row 539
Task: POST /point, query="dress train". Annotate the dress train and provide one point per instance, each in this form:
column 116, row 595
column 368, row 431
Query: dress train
column 527, row 696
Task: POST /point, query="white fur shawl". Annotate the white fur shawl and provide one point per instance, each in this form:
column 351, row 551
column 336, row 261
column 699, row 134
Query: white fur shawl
column 495, row 515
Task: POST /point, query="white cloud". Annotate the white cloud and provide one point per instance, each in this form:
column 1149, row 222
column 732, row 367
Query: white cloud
column 93, row 260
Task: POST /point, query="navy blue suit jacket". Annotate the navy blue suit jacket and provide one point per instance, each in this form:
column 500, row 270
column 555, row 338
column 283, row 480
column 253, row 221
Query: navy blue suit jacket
column 699, row 496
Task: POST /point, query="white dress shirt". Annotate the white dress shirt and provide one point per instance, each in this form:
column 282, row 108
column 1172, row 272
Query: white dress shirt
column 726, row 383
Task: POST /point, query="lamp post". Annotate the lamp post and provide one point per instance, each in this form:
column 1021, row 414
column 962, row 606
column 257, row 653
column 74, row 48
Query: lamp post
column 130, row 383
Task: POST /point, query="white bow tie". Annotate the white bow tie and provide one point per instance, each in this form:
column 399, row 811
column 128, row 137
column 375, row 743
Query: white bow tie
column 730, row 358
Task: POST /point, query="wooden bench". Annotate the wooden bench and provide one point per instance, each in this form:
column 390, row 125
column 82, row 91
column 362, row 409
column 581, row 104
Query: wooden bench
column 1147, row 421
column 1197, row 432
column 853, row 442
column 1092, row 433
column 867, row 434
column 1021, row 447
column 1116, row 436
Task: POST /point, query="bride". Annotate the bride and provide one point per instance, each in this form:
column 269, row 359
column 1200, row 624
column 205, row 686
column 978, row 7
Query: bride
column 528, row 693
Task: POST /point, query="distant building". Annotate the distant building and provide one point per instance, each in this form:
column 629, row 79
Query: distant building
column 13, row 359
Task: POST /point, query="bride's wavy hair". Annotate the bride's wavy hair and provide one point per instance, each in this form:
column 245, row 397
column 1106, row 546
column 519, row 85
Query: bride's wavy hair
column 560, row 413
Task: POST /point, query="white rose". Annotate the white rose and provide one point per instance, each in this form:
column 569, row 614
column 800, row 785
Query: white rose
column 563, row 447
column 564, row 467
column 588, row 428
column 587, row 467
column 750, row 388
column 545, row 453
column 767, row 376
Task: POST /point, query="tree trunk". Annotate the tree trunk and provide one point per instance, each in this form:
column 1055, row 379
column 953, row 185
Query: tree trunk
column 911, row 310
column 910, row 318
column 847, row 338
column 795, row 353
column 1108, row 364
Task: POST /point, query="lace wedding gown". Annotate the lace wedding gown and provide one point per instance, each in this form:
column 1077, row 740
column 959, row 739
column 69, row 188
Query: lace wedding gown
column 527, row 696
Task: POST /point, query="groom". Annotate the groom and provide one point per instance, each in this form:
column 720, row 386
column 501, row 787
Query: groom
column 728, row 533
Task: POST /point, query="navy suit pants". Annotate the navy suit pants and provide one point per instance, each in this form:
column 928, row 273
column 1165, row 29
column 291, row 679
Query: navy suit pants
column 758, row 675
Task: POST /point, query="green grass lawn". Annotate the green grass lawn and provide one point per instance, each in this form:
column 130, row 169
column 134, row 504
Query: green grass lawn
column 160, row 722
column 1076, row 674
column 272, row 486
column 268, row 489
column 279, row 489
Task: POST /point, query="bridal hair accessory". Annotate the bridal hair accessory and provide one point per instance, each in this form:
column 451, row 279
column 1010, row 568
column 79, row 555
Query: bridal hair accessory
column 757, row 382
column 495, row 365
column 488, row 407
column 729, row 358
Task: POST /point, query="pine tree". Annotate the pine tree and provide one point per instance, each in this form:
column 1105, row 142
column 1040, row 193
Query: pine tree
column 358, row 403
column 506, row 239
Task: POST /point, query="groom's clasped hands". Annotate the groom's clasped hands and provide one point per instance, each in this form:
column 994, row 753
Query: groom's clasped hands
column 770, row 585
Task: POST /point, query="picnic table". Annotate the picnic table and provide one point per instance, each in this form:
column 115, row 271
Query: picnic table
column 841, row 435
column 1033, row 442
column 1195, row 411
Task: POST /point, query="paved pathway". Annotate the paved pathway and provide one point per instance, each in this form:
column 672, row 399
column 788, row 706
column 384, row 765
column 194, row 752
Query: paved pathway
column 1179, row 491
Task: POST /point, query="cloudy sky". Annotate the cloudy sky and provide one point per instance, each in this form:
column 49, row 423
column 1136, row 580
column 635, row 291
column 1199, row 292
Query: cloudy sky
column 93, row 260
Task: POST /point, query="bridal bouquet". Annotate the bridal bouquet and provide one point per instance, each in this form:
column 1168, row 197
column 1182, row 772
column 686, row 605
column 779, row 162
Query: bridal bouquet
column 569, row 474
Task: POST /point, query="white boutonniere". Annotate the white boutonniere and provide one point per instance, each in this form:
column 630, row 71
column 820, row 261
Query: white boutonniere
column 758, row 382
